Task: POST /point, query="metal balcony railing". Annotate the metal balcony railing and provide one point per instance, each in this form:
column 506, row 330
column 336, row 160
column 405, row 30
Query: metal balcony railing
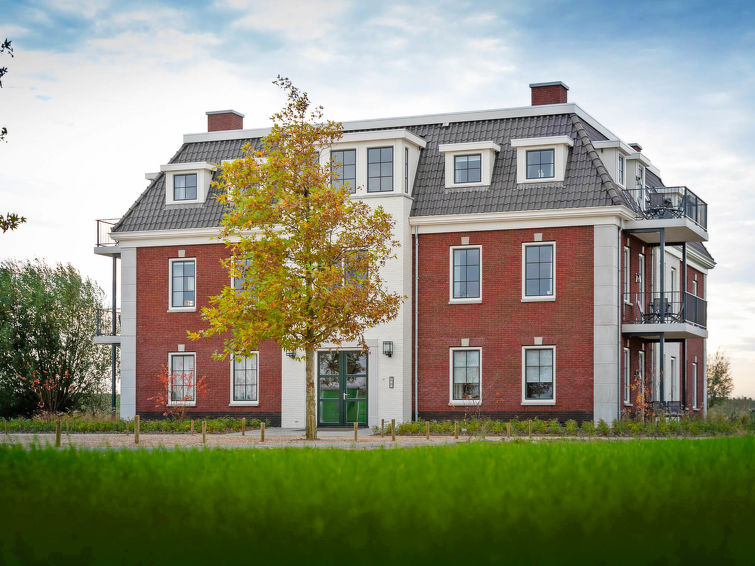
column 664, row 308
column 105, row 322
column 668, row 202
column 104, row 226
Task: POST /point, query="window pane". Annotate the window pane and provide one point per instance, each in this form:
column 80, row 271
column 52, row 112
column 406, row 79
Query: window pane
column 547, row 170
column 546, row 357
column 349, row 157
column 386, row 184
column 373, row 155
column 191, row 180
column 532, row 357
column 533, row 171
column 533, row 158
column 386, row 154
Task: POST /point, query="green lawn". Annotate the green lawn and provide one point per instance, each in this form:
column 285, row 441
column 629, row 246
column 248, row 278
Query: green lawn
column 639, row 502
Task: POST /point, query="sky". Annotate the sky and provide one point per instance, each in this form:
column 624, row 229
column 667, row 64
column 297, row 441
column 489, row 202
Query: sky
column 100, row 92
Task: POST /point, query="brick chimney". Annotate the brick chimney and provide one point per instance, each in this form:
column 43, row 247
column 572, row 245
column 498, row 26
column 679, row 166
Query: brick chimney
column 548, row 93
column 635, row 146
column 218, row 120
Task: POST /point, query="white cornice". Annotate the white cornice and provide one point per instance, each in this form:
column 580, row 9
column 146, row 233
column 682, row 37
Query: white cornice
column 191, row 166
column 541, row 141
column 397, row 134
column 468, row 146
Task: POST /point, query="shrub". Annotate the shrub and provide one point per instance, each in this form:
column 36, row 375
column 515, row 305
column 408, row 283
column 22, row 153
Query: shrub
column 572, row 428
column 587, row 428
column 603, row 428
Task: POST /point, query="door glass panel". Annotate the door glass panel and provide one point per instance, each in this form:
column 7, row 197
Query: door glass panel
column 329, row 387
column 356, row 386
column 356, row 411
column 329, row 411
column 328, row 363
column 356, row 363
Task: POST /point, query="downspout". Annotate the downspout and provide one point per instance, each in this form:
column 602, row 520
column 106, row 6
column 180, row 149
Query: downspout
column 416, row 322
column 619, row 313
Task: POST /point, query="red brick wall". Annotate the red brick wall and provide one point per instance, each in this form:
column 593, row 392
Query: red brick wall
column 159, row 332
column 501, row 324
column 229, row 121
column 555, row 94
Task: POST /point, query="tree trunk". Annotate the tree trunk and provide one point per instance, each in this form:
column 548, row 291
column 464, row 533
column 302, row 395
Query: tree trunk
column 310, row 388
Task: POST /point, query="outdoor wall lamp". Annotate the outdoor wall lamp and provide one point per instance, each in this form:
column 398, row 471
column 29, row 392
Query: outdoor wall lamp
column 291, row 353
column 388, row 348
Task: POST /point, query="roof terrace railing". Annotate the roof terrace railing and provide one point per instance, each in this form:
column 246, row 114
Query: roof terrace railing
column 104, row 322
column 668, row 202
column 668, row 307
column 104, row 226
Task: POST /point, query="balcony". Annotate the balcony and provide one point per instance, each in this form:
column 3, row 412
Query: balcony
column 105, row 331
column 105, row 244
column 675, row 314
column 682, row 214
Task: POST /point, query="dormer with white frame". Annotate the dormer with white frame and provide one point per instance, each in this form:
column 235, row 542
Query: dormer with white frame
column 542, row 159
column 187, row 183
column 376, row 163
column 614, row 154
column 469, row 164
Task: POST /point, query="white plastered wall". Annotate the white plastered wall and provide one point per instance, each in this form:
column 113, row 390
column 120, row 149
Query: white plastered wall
column 128, row 333
column 606, row 320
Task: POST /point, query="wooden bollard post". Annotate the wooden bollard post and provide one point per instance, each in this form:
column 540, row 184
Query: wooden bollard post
column 393, row 430
column 427, row 430
column 57, row 433
column 508, row 430
column 382, row 427
column 243, row 426
column 6, row 426
column 262, row 432
column 356, row 437
column 191, row 429
column 136, row 429
column 456, row 430
column 529, row 425
column 204, row 433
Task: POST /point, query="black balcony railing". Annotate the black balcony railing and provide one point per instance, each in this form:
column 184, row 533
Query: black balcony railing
column 105, row 322
column 668, row 202
column 104, row 226
column 664, row 308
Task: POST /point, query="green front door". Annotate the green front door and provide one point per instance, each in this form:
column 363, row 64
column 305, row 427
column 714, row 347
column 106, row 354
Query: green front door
column 342, row 388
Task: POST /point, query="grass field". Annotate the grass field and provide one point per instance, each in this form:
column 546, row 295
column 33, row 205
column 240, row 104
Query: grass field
column 638, row 502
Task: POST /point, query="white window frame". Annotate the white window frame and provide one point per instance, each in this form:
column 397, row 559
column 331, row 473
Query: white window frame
column 487, row 151
column 694, row 386
column 537, row 298
column 627, row 377
column 234, row 403
column 171, row 308
column 641, row 296
column 621, row 169
column 171, row 402
column 627, row 274
column 672, row 373
column 526, row 401
column 694, row 287
column 462, row 402
column 641, row 370
column 451, row 299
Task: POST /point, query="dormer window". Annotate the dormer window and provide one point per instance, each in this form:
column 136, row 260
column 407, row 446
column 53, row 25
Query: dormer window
column 468, row 168
column 185, row 187
column 541, row 164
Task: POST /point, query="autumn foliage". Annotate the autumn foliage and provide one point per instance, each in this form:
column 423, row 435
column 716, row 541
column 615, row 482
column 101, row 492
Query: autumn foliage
column 177, row 390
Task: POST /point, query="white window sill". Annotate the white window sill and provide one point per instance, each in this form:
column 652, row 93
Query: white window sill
column 695, row 408
column 540, row 299
column 244, row 404
column 470, row 403
column 628, row 404
column 182, row 309
column 542, row 402
column 464, row 185
column 464, row 301
column 542, row 180
column 182, row 404
column 628, row 303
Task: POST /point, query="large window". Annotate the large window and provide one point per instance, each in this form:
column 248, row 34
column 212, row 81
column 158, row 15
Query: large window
column 379, row 169
column 694, row 385
column 539, row 375
column 182, row 379
column 344, row 168
column 627, row 378
column 182, row 284
column 538, row 264
column 641, row 373
column 239, row 283
column 620, row 170
column 541, row 164
column 244, row 372
column 627, row 274
column 465, row 273
column 185, row 187
column 467, row 168
column 465, row 376
column 406, row 169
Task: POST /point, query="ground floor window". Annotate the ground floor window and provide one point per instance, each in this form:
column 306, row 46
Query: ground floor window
column 244, row 374
column 627, row 380
column 465, row 375
column 538, row 374
column 182, row 387
column 694, row 385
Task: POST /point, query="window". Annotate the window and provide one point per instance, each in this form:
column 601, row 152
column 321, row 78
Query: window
column 467, row 168
column 244, row 379
column 182, row 284
column 354, row 268
column 379, row 169
column 672, row 282
column 465, row 273
column 642, row 275
column 540, row 164
column 694, row 385
column 465, row 376
column 641, row 372
column 627, row 274
column 620, row 170
column 185, row 187
column 640, row 177
column 627, row 380
column 672, row 373
column 694, row 287
column 538, row 263
column 406, row 169
column 344, row 168
column 182, row 379
column 538, row 375
column 238, row 283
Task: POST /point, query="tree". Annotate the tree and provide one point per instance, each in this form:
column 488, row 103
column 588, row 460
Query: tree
column 48, row 360
column 177, row 389
column 11, row 220
column 720, row 380
column 309, row 255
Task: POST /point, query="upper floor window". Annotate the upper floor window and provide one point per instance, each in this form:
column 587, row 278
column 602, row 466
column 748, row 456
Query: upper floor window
column 541, row 164
column 467, row 168
column 626, row 276
column 244, row 379
column 465, row 273
column 379, row 169
column 185, row 187
column 620, row 171
column 539, row 383
column 465, row 376
column 182, row 283
column 640, row 177
column 239, row 282
column 538, row 271
column 344, row 168
column 406, row 169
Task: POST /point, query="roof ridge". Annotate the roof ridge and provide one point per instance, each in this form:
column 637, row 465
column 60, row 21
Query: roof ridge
column 608, row 185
